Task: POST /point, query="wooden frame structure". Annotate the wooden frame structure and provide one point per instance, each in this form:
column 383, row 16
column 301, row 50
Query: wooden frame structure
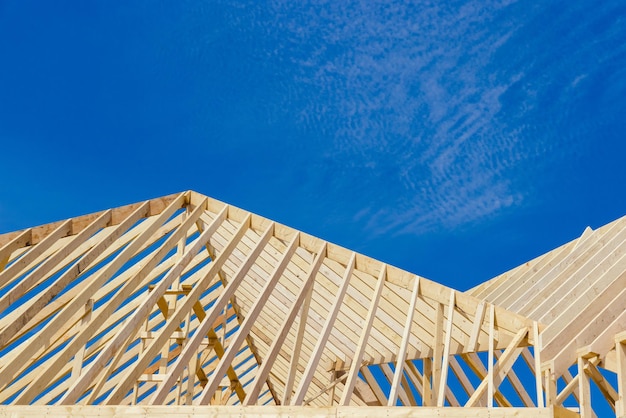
column 184, row 304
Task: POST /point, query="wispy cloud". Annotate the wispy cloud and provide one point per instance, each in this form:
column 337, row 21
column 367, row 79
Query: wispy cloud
column 409, row 103
column 412, row 88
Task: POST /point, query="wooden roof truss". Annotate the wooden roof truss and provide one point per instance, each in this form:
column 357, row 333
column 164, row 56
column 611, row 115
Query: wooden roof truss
column 185, row 300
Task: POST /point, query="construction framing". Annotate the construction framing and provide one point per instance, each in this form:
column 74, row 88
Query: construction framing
column 184, row 304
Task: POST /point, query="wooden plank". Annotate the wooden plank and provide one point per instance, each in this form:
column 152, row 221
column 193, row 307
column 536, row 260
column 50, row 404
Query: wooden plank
column 443, row 383
column 605, row 387
column 355, row 366
column 374, row 386
column 461, row 376
column 262, row 374
column 537, row 364
column 437, row 352
column 472, row 340
column 328, row 388
column 584, row 389
column 427, row 397
column 620, row 349
column 175, row 411
column 115, row 318
column 20, row 240
column 601, row 250
column 323, row 337
column 393, row 394
column 567, row 390
column 388, row 373
column 490, row 380
column 549, row 383
column 595, row 326
column 39, row 233
column 475, row 364
column 262, row 225
column 12, row 272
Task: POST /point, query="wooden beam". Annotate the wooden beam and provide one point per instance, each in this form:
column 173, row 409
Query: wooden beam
column 549, row 383
column 20, row 240
column 567, row 390
column 461, row 376
column 176, row 411
column 620, row 350
column 472, row 339
column 584, row 389
column 39, row 233
column 373, row 384
column 443, row 383
column 605, row 387
column 393, row 394
column 537, row 365
column 388, row 373
column 427, row 397
column 437, row 352
column 490, row 382
column 12, row 272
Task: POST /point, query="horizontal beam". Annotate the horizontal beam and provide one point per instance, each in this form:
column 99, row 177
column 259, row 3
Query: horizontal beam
column 174, row 411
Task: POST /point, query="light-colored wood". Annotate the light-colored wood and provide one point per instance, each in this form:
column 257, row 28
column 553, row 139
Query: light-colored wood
column 19, row 241
column 490, row 372
column 398, row 373
column 472, row 341
column 427, row 396
column 155, row 206
column 437, row 352
column 159, row 328
column 567, row 390
column 584, row 390
column 537, row 365
column 443, row 382
column 620, row 349
column 550, row 384
column 173, row 411
column 605, row 387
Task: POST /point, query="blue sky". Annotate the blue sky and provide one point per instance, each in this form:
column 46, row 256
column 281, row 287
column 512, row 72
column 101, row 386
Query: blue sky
column 454, row 140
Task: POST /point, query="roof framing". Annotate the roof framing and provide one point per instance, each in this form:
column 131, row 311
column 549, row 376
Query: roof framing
column 186, row 300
